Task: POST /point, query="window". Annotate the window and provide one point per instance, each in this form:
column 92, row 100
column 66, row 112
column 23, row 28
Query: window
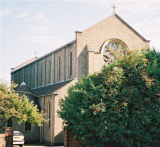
column 33, row 77
column 109, row 48
column 70, row 63
column 40, row 75
column 17, row 80
column 21, row 77
column 27, row 77
column 59, row 68
column 27, row 126
column 9, row 123
column 49, row 113
column 49, row 71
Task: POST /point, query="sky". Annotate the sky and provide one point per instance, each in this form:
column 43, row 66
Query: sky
column 27, row 26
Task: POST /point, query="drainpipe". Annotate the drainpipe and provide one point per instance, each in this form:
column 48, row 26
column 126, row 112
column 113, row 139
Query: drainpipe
column 40, row 134
column 51, row 118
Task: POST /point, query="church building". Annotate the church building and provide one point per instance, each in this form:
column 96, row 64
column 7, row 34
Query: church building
column 49, row 76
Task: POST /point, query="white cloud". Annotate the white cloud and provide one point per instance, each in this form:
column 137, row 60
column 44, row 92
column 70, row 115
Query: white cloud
column 44, row 39
column 40, row 30
column 36, row 17
column 29, row 16
column 23, row 15
column 5, row 12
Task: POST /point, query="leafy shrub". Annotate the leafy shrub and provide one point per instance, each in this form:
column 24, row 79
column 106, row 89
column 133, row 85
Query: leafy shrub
column 121, row 103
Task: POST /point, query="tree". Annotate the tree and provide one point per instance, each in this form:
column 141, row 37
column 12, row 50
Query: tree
column 17, row 107
column 121, row 103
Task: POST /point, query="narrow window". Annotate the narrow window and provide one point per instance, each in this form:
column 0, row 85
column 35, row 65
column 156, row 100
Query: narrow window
column 17, row 81
column 9, row 123
column 26, row 76
column 70, row 63
column 21, row 77
column 40, row 75
column 59, row 68
column 49, row 72
column 49, row 114
column 33, row 78
column 27, row 126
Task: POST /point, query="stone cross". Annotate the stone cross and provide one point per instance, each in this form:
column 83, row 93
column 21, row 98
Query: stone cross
column 35, row 54
column 114, row 7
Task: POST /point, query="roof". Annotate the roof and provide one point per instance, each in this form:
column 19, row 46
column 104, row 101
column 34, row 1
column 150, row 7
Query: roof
column 123, row 22
column 23, row 89
column 27, row 62
column 47, row 90
column 128, row 26
column 23, row 64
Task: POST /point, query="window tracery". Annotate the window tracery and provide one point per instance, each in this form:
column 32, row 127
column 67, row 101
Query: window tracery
column 110, row 47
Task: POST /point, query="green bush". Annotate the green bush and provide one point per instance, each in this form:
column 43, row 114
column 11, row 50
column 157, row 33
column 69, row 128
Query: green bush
column 121, row 103
column 18, row 107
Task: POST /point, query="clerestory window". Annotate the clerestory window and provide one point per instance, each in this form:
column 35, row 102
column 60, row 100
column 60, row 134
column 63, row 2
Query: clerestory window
column 70, row 64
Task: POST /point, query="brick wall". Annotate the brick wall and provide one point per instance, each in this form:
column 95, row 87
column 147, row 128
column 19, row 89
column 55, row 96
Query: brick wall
column 71, row 141
column 94, row 37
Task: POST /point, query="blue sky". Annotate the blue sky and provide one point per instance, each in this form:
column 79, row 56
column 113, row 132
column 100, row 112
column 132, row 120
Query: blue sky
column 44, row 25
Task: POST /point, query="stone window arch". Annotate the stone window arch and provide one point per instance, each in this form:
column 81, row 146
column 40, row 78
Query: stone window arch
column 70, row 63
column 109, row 47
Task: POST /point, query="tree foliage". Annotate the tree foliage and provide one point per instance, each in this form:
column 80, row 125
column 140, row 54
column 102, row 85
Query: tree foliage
column 18, row 107
column 121, row 103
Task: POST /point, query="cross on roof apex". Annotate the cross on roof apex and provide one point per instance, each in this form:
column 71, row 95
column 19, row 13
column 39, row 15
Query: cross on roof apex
column 35, row 54
column 114, row 7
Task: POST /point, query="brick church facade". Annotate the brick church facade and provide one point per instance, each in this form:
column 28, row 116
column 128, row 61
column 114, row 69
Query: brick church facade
column 49, row 76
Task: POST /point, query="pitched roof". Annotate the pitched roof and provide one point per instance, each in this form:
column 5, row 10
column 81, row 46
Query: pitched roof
column 23, row 64
column 122, row 21
column 133, row 30
column 47, row 90
column 23, row 89
column 31, row 61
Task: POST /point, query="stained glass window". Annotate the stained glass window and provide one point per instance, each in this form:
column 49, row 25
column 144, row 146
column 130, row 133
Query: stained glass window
column 110, row 47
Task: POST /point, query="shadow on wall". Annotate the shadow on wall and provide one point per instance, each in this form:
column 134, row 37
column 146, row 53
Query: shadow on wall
column 59, row 139
column 83, row 62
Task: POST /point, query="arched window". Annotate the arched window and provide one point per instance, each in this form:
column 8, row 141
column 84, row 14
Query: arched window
column 70, row 64
column 59, row 68
column 21, row 77
column 49, row 114
column 26, row 76
column 109, row 48
column 40, row 75
column 17, row 80
column 49, row 71
column 33, row 77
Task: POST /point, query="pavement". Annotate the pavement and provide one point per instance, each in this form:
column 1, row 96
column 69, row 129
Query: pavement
column 37, row 146
column 40, row 146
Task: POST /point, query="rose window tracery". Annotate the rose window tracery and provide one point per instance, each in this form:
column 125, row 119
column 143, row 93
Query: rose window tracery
column 110, row 47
